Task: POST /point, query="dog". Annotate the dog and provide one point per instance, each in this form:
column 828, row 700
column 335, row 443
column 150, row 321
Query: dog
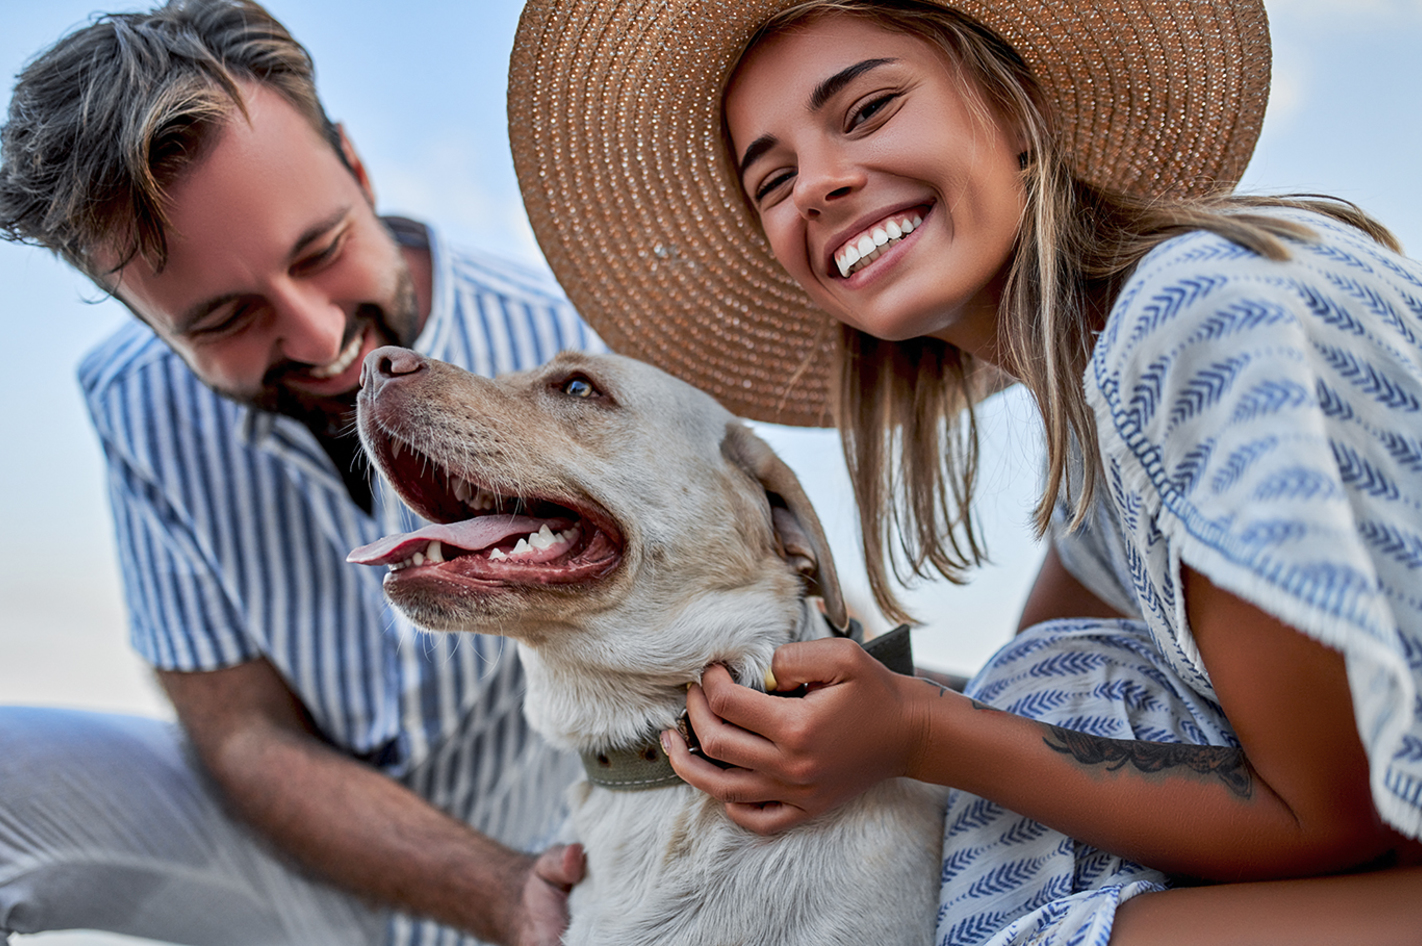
column 627, row 531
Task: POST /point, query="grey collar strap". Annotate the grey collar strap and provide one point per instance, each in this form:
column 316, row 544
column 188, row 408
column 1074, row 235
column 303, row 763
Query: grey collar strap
column 646, row 765
column 630, row 770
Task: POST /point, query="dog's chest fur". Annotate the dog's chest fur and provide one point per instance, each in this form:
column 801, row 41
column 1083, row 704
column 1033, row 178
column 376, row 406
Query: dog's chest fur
column 667, row 866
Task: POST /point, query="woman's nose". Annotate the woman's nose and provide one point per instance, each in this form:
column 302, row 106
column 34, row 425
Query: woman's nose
column 819, row 184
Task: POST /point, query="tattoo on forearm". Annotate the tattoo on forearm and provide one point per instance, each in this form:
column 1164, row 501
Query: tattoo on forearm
column 1228, row 765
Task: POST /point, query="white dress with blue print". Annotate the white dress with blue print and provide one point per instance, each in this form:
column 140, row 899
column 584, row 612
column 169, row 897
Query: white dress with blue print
column 1260, row 422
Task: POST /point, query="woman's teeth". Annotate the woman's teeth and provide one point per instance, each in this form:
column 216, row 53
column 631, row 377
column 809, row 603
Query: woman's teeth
column 343, row 361
column 865, row 248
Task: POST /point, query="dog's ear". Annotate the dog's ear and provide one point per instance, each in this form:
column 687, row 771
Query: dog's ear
column 798, row 532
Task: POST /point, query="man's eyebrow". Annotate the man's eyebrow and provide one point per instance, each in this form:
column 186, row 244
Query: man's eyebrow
column 822, row 94
column 316, row 231
column 199, row 311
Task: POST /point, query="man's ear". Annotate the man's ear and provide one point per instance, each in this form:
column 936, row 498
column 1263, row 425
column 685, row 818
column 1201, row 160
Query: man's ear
column 356, row 165
column 798, row 534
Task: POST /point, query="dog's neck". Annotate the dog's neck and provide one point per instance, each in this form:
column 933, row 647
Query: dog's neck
column 578, row 702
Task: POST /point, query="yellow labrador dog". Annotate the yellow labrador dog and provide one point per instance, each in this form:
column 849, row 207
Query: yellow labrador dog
column 627, row 531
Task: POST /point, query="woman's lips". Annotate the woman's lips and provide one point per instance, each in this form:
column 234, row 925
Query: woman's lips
column 865, row 246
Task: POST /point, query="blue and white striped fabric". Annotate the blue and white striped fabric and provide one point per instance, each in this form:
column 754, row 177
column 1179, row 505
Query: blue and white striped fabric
column 1260, row 422
column 233, row 528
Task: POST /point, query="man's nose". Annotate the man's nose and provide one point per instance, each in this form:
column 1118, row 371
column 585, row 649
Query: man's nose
column 312, row 327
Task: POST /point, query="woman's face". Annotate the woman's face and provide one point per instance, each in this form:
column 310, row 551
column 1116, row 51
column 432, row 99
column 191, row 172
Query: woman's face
column 852, row 141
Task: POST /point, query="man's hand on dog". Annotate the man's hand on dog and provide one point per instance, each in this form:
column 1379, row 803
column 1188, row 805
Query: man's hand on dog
column 857, row 724
column 543, row 909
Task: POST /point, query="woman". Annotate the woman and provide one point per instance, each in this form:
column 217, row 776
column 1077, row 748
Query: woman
column 980, row 192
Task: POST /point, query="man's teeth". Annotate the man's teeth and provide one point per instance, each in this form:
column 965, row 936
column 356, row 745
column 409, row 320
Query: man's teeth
column 540, row 541
column 865, row 248
column 343, row 361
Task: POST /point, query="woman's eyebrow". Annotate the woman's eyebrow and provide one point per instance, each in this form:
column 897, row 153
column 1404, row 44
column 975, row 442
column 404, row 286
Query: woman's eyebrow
column 822, row 94
column 826, row 89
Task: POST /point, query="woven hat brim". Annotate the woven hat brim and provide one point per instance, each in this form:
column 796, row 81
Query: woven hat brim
column 614, row 120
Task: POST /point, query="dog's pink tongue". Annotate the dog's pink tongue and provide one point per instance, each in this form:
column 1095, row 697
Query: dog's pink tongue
column 472, row 534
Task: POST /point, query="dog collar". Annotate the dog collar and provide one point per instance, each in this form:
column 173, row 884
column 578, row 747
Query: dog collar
column 646, row 766
column 631, row 770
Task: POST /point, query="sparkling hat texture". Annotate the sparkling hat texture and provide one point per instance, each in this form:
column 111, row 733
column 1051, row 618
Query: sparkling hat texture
column 615, row 122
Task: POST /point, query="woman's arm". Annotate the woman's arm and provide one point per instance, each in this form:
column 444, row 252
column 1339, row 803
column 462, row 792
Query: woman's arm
column 1293, row 801
column 1057, row 594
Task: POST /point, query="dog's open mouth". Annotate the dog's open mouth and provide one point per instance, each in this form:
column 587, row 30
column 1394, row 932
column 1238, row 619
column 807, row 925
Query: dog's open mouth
column 485, row 536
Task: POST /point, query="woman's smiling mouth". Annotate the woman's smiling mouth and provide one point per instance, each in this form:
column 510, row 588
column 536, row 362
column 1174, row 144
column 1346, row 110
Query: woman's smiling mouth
column 864, row 247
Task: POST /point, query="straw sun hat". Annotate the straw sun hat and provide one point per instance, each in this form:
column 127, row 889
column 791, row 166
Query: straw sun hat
column 615, row 112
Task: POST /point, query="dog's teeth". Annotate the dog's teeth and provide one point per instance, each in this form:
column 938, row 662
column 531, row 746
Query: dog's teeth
column 394, row 448
column 417, row 559
column 523, row 548
column 434, row 553
column 542, row 539
column 497, row 555
column 461, row 490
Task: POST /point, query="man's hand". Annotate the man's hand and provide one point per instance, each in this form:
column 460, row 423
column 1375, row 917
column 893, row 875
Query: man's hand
column 543, row 909
column 857, row 724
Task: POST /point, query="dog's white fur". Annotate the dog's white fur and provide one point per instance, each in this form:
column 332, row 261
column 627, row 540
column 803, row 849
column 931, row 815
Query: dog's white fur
column 709, row 572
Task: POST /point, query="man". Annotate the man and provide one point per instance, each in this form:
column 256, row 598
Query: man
column 341, row 777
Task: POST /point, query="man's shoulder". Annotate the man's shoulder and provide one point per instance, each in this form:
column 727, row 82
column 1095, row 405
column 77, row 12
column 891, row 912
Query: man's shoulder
column 489, row 272
column 132, row 373
column 126, row 354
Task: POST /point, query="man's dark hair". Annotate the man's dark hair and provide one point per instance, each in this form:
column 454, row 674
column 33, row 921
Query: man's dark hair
column 103, row 122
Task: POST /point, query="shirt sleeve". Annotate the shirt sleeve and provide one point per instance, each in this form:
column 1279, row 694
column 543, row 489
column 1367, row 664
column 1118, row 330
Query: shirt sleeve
column 1259, row 422
column 181, row 607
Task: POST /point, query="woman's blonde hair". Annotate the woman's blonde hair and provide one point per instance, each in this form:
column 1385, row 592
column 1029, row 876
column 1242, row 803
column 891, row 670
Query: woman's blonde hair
column 905, row 409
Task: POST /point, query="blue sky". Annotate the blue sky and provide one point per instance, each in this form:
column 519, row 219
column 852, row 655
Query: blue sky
column 420, row 88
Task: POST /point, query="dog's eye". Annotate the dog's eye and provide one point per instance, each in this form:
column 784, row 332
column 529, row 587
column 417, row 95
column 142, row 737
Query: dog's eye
column 579, row 387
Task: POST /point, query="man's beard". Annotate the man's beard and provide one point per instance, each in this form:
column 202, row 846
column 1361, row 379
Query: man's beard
column 396, row 324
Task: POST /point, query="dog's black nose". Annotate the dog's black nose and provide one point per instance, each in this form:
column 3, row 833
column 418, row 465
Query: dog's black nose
column 388, row 363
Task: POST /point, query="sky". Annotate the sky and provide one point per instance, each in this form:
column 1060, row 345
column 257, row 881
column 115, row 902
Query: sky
column 419, row 88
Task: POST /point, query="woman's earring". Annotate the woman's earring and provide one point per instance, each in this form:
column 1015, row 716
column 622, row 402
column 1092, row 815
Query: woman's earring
column 1024, row 159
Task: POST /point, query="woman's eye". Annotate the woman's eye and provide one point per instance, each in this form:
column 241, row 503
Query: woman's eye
column 579, row 387
column 769, row 185
column 870, row 109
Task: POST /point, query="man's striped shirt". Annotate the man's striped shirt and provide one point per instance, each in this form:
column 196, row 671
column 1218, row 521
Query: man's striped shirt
column 233, row 527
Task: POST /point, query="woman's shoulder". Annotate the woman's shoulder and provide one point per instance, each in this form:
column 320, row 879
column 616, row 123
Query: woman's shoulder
column 1203, row 286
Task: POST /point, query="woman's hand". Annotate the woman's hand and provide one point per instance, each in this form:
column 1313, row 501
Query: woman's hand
column 857, row 724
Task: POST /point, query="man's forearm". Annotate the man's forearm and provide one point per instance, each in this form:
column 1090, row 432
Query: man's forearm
column 369, row 834
column 340, row 817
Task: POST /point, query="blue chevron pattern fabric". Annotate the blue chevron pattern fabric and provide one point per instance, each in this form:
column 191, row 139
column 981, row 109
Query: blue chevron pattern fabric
column 1008, row 880
column 1261, row 422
